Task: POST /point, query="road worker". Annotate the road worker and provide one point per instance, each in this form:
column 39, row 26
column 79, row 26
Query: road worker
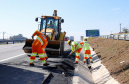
column 87, row 51
column 38, row 47
column 51, row 25
column 76, row 47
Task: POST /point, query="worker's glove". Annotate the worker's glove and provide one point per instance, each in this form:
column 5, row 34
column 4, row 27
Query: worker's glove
column 69, row 55
column 74, row 51
column 43, row 49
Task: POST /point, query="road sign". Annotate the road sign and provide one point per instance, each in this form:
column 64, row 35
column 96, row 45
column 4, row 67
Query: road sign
column 92, row 33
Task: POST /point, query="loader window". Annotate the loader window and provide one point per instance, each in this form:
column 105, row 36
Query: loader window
column 52, row 23
column 43, row 24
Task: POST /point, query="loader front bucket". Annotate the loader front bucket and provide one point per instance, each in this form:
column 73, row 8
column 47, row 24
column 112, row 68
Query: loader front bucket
column 53, row 48
column 28, row 46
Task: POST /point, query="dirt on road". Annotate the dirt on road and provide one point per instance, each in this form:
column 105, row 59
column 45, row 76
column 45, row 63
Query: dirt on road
column 114, row 55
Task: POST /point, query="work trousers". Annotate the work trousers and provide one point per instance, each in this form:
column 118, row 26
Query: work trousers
column 86, row 55
column 77, row 55
column 41, row 53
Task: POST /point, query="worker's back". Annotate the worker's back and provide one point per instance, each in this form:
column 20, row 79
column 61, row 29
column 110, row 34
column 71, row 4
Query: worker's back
column 75, row 43
column 85, row 45
column 41, row 39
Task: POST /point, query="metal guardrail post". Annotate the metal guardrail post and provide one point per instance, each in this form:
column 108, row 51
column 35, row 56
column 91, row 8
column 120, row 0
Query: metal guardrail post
column 125, row 37
column 113, row 36
column 118, row 37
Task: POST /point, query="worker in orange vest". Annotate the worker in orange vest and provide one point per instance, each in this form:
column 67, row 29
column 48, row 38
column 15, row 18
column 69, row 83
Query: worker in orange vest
column 38, row 47
column 87, row 51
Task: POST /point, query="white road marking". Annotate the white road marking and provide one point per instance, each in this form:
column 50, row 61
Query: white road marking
column 12, row 57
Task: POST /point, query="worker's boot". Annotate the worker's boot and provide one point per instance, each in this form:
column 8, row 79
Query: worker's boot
column 91, row 61
column 84, row 62
column 75, row 62
column 31, row 64
column 46, row 64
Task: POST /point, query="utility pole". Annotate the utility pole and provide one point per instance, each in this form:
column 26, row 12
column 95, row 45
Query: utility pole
column 120, row 27
column 3, row 35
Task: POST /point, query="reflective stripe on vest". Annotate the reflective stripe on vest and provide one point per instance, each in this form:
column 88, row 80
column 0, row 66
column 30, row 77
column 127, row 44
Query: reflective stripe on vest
column 43, row 37
column 40, row 40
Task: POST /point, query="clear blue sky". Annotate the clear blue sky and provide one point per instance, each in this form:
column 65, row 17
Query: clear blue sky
column 18, row 16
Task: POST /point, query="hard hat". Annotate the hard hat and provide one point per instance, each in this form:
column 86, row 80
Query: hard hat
column 85, row 39
column 68, row 41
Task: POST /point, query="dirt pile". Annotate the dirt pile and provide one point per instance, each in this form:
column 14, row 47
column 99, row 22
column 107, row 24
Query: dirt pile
column 114, row 55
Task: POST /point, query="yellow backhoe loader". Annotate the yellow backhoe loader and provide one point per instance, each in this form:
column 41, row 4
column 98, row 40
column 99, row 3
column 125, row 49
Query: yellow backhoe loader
column 50, row 25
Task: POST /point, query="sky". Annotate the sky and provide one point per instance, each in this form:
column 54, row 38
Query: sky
column 18, row 16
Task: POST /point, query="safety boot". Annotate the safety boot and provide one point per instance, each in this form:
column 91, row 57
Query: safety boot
column 46, row 64
column 75, row 62
column 31, row 64
column 91, row 61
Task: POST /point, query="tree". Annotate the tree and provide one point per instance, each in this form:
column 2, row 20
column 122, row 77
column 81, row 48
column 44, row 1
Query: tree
column 20, row 35
column 125, row 30
column 17, row 37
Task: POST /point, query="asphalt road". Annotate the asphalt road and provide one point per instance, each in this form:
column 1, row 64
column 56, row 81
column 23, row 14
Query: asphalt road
column 10, row 50
column 15, row 69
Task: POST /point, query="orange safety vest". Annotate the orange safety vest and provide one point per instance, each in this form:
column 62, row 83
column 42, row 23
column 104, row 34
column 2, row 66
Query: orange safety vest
column 41, row 39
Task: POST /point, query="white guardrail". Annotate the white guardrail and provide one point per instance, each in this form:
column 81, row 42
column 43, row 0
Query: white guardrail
column 118, row 37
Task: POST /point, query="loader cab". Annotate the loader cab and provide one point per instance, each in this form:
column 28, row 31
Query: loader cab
column 52, row 22
column 49, row 22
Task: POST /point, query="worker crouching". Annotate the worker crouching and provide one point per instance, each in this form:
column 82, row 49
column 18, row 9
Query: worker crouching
column 38, row 47
column 76, row 47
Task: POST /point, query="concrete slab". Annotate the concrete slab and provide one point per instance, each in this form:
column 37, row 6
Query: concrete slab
column 82, row 74
column 99, row 72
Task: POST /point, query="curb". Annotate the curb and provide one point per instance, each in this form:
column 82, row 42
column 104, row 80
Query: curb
column 47, row 80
